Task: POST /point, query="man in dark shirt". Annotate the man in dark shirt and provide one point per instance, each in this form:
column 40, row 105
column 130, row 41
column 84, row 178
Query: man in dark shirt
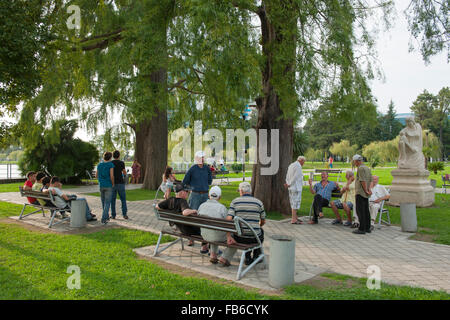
column 119, row 185
column 199, row 178
column 179, row 204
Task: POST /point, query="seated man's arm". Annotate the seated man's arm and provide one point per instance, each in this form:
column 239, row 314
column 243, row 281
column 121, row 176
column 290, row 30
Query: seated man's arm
column 189, row 212
column 262, row 222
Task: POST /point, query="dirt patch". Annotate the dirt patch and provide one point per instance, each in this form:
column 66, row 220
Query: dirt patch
column 193, row 273
column 423, row 237
column 323, row 283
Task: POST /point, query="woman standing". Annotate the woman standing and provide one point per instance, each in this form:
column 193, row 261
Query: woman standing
column 135, row 172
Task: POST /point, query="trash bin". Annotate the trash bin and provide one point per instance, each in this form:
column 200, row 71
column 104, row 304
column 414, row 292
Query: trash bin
column 408, row 217
column 282, row 261
column 78, row 213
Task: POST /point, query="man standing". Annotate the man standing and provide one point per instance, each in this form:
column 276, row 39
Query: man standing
column 379, row 193
column 322, row 191
column 199, row 178
column 105, row 176
column 119, row 185
column 362, row 190
column 294, row 183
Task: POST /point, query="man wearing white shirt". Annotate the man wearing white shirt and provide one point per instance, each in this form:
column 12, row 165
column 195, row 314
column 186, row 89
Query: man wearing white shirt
column 379, row 193
column 294, row 183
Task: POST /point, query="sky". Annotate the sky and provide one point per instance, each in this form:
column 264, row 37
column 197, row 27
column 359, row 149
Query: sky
column 406, row 75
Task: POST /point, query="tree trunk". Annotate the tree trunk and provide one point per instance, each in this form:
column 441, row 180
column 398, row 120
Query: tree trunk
column 270, row 188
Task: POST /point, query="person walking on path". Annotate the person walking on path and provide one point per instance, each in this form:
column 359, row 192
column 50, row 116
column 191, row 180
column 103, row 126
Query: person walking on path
column 363, row 192
column 294, row 183
column 105, row 176
column 135, row 172
column 119, row 186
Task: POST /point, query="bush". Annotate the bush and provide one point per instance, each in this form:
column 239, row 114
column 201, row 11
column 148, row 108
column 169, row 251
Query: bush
column 436, row 166
column 58, row 153
column 236, row 167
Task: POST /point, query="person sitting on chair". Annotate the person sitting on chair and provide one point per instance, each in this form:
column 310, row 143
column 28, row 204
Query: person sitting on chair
column 379, row 193
column 62, row 201
column 322, row 191
column 179, row 204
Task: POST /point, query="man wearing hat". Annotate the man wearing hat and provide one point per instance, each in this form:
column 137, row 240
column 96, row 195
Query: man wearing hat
column 363, row 193
column 199, row 178
column 212, row 208
column 179, row 204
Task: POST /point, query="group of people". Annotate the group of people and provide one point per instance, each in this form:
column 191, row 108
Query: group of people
column 361, row 194
column 205, row 202
column 39, row 181
column 111, row 175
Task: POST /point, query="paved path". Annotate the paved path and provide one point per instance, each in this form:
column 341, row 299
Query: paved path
column 319, row 248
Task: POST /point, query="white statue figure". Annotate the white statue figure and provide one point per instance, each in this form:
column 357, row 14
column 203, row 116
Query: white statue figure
column 410, row 146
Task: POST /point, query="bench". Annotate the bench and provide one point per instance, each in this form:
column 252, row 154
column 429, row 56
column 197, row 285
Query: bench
column 221, row 175
column 332, row 173
column 46, row 196
column 445, row 183
column 333, row 195
column 234, row 227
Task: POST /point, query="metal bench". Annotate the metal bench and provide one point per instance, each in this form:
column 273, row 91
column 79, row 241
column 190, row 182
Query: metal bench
column 445, row 183
column 235, row 227
column 332, row 173
column 221, row 175
column 46, row 196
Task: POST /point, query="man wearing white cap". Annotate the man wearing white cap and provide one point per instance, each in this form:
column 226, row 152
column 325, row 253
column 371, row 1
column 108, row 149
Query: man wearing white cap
column 294, row 183
column 212, row 208
column 199, row 178
column 363, row 192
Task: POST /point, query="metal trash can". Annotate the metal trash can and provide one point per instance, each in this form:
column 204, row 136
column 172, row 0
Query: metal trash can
column 408, row 217
column 78, row 213
column 281, row 261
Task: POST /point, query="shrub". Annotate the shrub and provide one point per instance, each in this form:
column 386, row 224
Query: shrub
column 436, row 166
column 236, row 167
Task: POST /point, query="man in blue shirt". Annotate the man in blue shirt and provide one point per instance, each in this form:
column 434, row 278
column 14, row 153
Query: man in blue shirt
column 322, row 191
column 199, row 178
column 105, row 176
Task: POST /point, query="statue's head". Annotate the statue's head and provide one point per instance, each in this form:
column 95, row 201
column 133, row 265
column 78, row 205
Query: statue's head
column 410, row 122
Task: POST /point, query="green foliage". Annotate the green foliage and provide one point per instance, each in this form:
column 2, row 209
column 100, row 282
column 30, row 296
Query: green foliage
column 374, row 161
column 236, row 167
column 436, row 166
column 314, row 154
column 429, row 23
column 56, row 151
column 343, row 149
column 300, row 143
column 15, row 155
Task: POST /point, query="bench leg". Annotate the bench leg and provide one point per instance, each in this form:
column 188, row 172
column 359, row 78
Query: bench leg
column 156, row 252
column 241, row 273
column 23, row 209
column 52, row 217
column 26, row 215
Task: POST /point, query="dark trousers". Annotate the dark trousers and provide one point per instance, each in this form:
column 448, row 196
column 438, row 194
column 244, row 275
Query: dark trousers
column 256, row 252
column 189, row 230
column 362, row 210
column 318, row 204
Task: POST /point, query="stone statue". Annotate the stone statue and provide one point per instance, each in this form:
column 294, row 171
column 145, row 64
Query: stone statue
column 410, row 146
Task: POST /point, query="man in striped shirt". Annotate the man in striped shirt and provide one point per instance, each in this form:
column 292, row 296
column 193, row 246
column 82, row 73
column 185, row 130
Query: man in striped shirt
column 252, row 211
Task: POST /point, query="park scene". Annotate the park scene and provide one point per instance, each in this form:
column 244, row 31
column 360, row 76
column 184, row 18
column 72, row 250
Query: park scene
column 224, row 150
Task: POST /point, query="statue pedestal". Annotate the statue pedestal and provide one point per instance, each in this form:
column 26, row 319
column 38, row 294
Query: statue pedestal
column 411, row 186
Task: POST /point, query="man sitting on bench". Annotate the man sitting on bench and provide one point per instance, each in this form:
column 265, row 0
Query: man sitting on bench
column 322, row 195
column 179, row 204
column 61, row 199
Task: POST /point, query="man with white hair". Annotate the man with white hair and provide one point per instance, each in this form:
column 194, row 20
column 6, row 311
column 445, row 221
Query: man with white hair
column 294, row 183
column 379, row 193
column 212, row 208
column 199, row 178
column 252, row 211
column 362, row 190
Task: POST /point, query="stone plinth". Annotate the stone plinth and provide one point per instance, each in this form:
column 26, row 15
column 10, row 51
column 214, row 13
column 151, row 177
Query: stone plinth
column 411, row 186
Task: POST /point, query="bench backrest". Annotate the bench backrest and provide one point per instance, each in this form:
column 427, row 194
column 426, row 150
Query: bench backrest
column 198, row 221
column 36, row 194
column 328, row 170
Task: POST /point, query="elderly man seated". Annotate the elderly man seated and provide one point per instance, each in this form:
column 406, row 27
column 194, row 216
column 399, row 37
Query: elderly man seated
column 379, row 193
column 212, row 208
column 179, row 204
column 322, row 191
column 347, row 200
column 252, row 211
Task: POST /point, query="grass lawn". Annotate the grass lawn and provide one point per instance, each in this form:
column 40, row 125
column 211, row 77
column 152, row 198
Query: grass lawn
column 33, row 265
column 13, row 187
